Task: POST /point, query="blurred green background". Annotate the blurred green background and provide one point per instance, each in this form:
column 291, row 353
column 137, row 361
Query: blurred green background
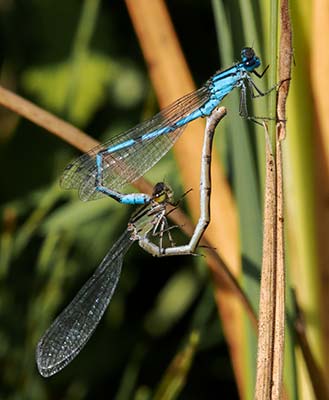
column 51, row 241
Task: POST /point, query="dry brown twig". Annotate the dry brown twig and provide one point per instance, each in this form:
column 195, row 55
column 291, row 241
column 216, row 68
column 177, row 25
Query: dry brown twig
column 269, row 381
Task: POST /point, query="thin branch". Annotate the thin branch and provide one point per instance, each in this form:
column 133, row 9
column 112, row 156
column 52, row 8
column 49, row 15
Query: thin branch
column 280, row 282
column 285, row 58
column 264, row 376
column 46, row 120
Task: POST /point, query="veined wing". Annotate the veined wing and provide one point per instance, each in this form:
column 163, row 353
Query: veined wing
column 71, row 330
column 127, row 164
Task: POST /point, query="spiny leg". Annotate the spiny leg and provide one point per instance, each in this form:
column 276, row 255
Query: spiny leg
column 243, row 109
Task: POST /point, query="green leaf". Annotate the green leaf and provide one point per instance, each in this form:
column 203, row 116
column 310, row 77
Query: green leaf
column 52, row 84
column 172, row 302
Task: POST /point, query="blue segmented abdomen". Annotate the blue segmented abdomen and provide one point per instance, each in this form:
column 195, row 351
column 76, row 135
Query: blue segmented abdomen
column 125, row 164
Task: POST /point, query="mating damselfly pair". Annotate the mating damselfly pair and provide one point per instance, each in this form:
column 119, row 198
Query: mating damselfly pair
column 106, row 169
column 71, row 330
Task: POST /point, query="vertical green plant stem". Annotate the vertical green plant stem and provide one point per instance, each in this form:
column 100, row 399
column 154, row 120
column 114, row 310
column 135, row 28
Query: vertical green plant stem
column 243, row 167
column 80, row 49
column 224, row 36
column 249, row 24
column 33, row 222
column 9, row 220
column 175, row 376
column 245, row 183
column 318, row 380
column 252, row 34
column 300, row 188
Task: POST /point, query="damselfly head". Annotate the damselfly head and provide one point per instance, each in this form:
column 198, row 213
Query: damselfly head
column 162, row 193
column 249, row 59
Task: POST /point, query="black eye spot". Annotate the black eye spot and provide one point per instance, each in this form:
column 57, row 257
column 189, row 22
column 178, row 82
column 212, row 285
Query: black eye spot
column 158, row 189
column 247, row 53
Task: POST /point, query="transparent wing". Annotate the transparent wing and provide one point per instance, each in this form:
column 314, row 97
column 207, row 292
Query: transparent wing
column 71, row 330
column 128, row 164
